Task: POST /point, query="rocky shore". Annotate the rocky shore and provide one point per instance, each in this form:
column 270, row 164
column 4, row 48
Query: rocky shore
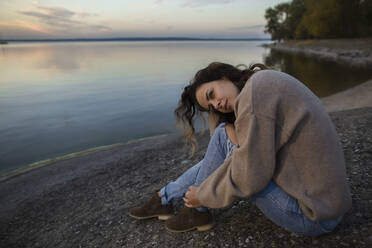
column 352, row 52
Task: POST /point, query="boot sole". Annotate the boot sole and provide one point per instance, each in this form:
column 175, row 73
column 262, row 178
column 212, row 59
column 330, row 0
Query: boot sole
column 199, row 228
column 160, row 217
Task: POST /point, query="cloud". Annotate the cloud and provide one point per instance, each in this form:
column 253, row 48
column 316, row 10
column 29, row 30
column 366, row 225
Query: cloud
column 202, row 3
column 198, row 3
column 22, row 29
column 84, row 14
column 57, row 12
column 62, row 18
column 32, row 27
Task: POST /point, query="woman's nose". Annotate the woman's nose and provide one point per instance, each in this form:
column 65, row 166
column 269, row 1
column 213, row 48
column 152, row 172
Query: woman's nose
column 217, row 104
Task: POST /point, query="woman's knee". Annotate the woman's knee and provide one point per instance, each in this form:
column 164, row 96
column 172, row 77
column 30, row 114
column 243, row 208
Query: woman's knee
column 219, row 133
column 218, row 139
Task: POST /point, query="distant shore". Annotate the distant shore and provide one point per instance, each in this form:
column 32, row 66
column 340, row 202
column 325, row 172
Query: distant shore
column 352, row 52
column 135, row 39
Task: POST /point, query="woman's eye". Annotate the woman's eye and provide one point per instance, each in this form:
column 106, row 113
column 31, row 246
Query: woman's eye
column 211, row 94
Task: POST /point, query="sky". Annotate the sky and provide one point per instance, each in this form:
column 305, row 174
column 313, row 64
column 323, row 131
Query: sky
column 30, row 19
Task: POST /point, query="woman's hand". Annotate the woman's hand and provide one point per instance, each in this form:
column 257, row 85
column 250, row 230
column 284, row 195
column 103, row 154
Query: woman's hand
column 191, row 198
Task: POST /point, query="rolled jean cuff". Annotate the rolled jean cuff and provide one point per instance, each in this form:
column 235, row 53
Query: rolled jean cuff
column 163, row 196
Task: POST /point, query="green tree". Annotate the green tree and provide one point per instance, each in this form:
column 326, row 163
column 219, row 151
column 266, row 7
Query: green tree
column 321, row 18
column 284, row 18
column 366, row 18
column 303, row 19
column 350, row 22
column 277, row 24
column 295, row 14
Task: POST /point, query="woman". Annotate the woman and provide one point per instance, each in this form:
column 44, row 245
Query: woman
column 273, row 143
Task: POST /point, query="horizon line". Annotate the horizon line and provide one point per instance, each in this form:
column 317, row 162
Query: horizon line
column 133, row 39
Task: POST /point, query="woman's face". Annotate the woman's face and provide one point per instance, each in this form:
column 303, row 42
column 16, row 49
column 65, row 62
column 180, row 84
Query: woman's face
column 219, row 95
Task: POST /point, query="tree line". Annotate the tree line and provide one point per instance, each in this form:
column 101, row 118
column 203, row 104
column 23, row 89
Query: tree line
column 319, row 19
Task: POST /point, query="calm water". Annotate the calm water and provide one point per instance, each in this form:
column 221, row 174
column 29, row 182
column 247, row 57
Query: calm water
column 59, row 98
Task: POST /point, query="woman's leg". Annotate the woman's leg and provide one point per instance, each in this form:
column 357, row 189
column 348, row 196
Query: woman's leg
column 214, row 157
column 160, row 205
column 283, row 210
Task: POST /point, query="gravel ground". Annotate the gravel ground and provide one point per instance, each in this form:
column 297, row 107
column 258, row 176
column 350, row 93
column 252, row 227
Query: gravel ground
column 91, row 211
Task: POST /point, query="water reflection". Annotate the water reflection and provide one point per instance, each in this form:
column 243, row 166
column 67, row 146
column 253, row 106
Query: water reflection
column 58, row 98
column 322, row 77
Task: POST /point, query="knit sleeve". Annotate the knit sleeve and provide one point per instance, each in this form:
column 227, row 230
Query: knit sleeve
column 250, row 167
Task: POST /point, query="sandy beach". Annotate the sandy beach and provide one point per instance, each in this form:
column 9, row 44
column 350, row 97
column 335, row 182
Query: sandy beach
column 83, row 200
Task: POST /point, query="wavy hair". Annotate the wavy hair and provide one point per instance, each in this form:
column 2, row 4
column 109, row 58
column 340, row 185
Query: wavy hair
column 188, row 108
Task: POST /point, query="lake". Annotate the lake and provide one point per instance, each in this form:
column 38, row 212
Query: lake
column 58, row 98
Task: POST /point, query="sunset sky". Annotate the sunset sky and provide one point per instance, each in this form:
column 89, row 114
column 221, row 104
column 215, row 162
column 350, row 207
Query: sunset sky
column 27, row 19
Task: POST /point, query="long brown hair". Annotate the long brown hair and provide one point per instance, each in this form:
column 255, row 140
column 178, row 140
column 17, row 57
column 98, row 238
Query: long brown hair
column 188, row 107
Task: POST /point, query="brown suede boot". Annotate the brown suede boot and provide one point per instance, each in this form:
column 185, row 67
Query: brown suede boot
column 189, row 219
column 152, row 208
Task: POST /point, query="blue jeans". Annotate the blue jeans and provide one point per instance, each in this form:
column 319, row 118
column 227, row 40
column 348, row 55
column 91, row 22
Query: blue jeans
column 277, row 205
